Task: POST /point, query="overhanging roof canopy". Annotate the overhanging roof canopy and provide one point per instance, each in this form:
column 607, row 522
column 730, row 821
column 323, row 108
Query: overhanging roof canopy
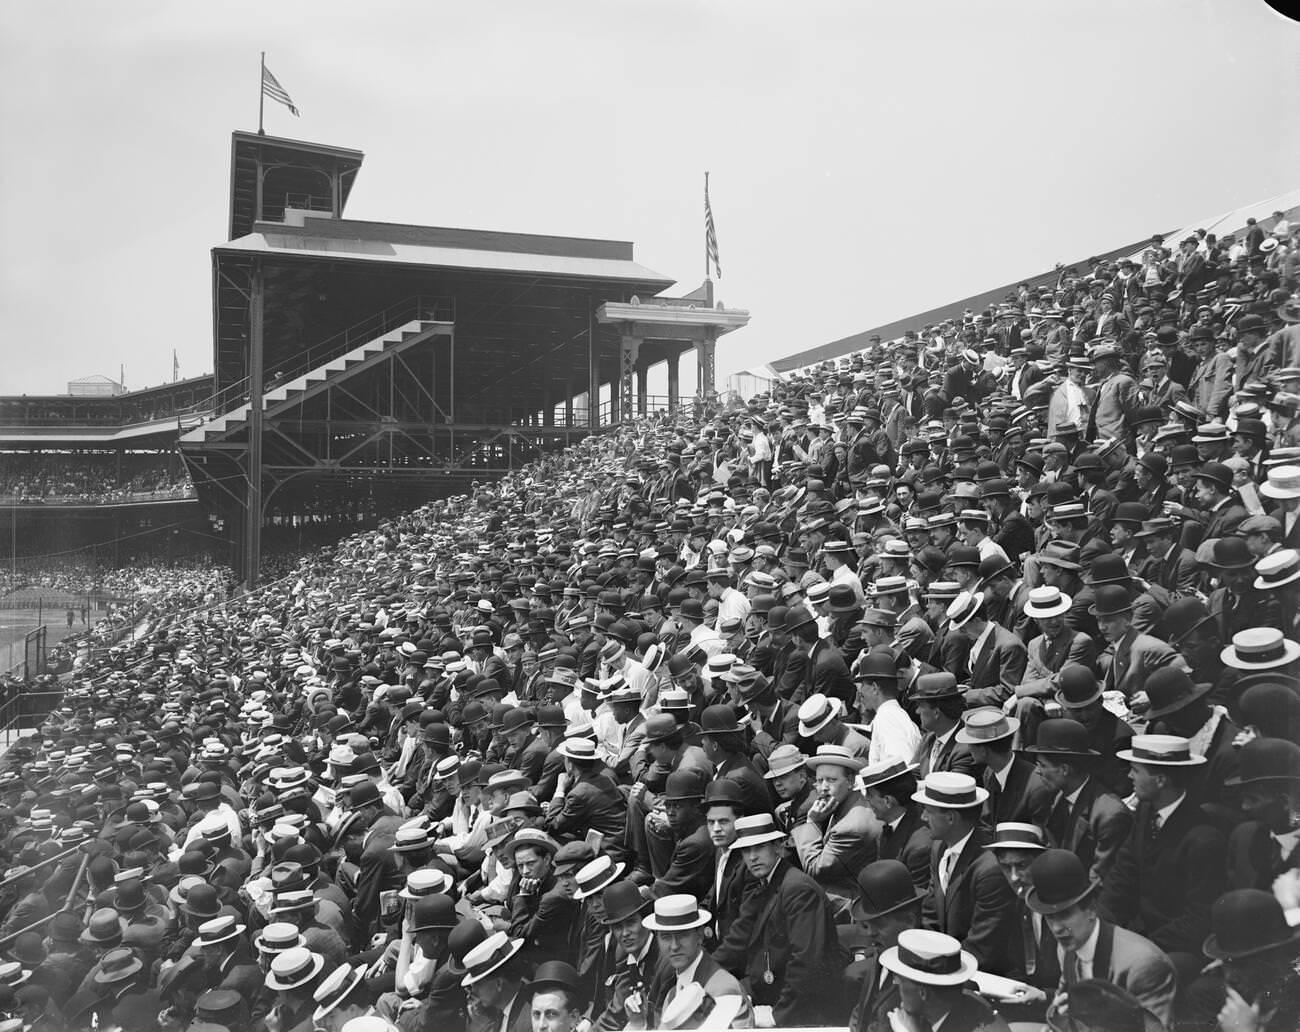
column 434, row 247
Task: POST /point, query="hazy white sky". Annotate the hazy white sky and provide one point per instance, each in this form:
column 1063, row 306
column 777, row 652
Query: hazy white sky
column 869, row 159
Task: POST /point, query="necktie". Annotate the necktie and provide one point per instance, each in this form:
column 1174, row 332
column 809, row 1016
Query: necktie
column 1058, row 821
column 1153, row 827
column 1030, row 940
column 886, row 836
column 945, row 870
column 1073, row 971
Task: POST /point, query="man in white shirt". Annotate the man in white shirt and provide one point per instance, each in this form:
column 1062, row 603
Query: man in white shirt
column 893, row 735
column 732, row 605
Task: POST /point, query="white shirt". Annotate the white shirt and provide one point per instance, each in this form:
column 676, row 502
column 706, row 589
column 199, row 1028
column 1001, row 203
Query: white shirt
column 948, row 860
column 731, row 605
column 688, row 976
column 1002, row 775
column 845, row 575
column 893, row 735
column 1287, row 843
column 1085, row 953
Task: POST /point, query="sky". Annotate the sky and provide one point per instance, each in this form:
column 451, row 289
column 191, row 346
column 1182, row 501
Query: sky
column 868, row 160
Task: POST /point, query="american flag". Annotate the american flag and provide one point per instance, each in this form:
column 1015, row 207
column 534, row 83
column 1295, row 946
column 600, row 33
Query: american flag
column 710, row 231
column 271, row 87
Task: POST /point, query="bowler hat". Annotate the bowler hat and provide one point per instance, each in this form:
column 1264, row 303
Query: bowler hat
column 1246, row 923
column 725, row 792
column 1267, row 760
column 932, row 687
column 685, row 784
column 1060, row 882
column 622, row 899
column 1231, row 553
column 1216, row 473
column 1111, row 600
column 719, row 719
column 1061, row 736
column 1169, row 689
column 556, row 974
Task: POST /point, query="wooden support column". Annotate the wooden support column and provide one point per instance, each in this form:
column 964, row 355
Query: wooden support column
column 629, row 352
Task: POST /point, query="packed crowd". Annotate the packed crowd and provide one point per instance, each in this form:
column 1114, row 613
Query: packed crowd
column 951, row 685
column 97, row 478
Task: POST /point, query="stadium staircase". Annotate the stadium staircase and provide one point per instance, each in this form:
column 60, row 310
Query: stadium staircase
column 285, row 394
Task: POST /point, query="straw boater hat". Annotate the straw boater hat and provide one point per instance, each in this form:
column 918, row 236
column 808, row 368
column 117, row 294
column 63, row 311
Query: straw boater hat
column 815, row 712
column 1260, row 648
column 950, row 791
column 755, row 830
column 293, row 968
column 931, row 958
column 677, row 913
column 1016, row 835
column 1047, row 602
column 1161, row 751
column 336, row 988
column 835, row 756
column 986, row 724
column 489, row 955
column 597, row 875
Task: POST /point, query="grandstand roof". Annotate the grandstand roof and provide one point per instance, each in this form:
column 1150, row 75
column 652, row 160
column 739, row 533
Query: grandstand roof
column 950, row 310
column 1233, row 221
column 314, row 237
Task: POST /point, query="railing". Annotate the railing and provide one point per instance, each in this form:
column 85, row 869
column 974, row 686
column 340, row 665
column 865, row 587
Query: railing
column 102, row 498
column 418, row 306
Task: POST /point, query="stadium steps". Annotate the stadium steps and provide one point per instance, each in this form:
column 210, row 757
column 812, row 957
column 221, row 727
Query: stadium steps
column 299, row 389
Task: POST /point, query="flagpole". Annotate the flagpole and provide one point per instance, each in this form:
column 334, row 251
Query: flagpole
column 261, row 96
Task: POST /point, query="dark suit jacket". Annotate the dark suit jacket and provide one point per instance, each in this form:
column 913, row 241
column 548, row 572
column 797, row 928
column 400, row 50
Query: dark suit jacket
column 1094, row 828
column 1238, row 612
column 997, row 670
column 1224, row 522
column 725, row 905
column 909, row 843
column 1131, row 962
column 977, row 907
column 758, row 799
column 1027, row 798
column 786, row 927
column 1162, row 887
column 875, row 1001
column 1255, row 859
column 953, row 756
column 1134, row 659
column 691, row 867
column 532, row 758
column 829, row 674
column 1015, row 536
column 377, row 872
column 594, row 803
column 1177, row 572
